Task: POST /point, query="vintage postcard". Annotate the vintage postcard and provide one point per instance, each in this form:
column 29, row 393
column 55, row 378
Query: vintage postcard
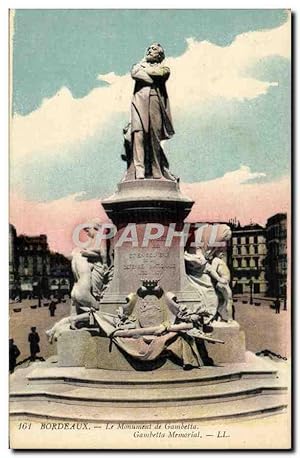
column 149, row 229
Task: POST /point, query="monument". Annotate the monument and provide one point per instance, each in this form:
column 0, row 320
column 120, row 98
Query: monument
column 151, row 294
column 149, row 303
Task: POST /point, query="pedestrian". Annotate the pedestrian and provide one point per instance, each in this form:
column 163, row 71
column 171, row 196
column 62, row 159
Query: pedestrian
column 277, row 305
column 33, row 339
column 14, row 352
column 52, row 308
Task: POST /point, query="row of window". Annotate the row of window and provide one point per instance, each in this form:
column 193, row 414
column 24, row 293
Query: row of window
column 245, row 250
column 246, row 240
column 61, row 282
column 31, row 247
column 31, row 261
column 246, row 262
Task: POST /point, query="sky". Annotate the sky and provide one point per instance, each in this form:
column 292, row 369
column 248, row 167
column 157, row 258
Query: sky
column 230, row 99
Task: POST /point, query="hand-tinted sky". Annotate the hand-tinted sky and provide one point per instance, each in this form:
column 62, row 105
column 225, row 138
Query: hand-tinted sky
column 229, row 91
column 55, row 48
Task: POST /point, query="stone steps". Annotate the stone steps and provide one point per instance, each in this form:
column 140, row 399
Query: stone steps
column 40, row 374
column 260, row 406
column 147, row 397
column 251, row 389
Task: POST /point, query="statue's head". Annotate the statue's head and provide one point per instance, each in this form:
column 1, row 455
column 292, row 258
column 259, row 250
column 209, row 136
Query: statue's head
column 220, row 254
column 155, row 53
column 92, row 227
column 217, row 252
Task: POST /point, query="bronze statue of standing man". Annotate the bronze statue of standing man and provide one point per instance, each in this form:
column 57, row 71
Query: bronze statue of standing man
column 151, row 119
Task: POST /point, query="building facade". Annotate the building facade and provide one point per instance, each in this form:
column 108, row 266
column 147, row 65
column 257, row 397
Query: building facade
column 34, row 271
column 33, row 264
column 276, row 263
column 247, row 259
column 13, row 264
column 60, row 276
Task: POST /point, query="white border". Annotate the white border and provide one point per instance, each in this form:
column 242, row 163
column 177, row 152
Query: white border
column 104, row 4
column 159, row 4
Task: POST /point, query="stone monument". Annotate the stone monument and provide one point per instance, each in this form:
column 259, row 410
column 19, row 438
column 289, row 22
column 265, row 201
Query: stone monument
column 149, row 304
column 159, row 298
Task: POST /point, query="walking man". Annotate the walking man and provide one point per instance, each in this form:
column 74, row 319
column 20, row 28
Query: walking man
column 277, row 305
column 33, row 339
column 52, row 308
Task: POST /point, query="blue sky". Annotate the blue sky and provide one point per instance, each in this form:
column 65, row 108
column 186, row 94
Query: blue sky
column 55, row 48
column 66, row 50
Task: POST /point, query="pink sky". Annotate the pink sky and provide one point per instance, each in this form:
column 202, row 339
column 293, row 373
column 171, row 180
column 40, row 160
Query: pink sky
column 216, row 200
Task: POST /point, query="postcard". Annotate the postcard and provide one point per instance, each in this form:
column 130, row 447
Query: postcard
column 150, row 229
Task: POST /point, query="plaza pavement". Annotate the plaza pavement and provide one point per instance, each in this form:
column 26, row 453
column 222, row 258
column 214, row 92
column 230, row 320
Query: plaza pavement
column 21, row 322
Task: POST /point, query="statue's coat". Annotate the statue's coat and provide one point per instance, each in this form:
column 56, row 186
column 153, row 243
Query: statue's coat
column 140, row 108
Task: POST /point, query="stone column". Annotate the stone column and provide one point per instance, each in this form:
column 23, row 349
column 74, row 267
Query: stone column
column 135, row 204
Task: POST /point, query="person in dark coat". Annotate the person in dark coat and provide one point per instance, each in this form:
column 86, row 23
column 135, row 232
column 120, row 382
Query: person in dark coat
column 277, row 305
column 33, row 339
column 52, row 308
column 14, row 352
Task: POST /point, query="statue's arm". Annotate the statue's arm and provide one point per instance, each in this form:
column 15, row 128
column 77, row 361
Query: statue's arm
column 214, row 274
column 91, row 253
column 189, row 256
column 221, row 268
column 158, row 71
column 195, row 258
column 138, row 72
column 95, row 255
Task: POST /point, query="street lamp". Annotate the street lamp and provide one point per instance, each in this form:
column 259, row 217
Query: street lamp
column 251, row 291
column 39, row 292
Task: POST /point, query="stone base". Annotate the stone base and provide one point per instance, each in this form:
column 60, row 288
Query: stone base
column 234, row 348
column 80, row 349
column 231, row 393
column 139, row 201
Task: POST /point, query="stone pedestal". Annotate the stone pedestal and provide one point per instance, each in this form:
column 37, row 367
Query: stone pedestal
column 81, row 349
column 234, row 348
column 75, row 348
column 142, row 204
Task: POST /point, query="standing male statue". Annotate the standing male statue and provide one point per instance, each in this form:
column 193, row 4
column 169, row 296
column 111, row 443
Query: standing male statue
column 150, row 115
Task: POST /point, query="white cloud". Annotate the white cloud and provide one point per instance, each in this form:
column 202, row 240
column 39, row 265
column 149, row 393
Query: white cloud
column 235, row 194
column 241, row 176
column 205, row 72
column 220, row 199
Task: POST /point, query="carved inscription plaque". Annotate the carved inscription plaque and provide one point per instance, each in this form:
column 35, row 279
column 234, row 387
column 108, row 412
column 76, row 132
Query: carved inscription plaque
column 156, row 262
